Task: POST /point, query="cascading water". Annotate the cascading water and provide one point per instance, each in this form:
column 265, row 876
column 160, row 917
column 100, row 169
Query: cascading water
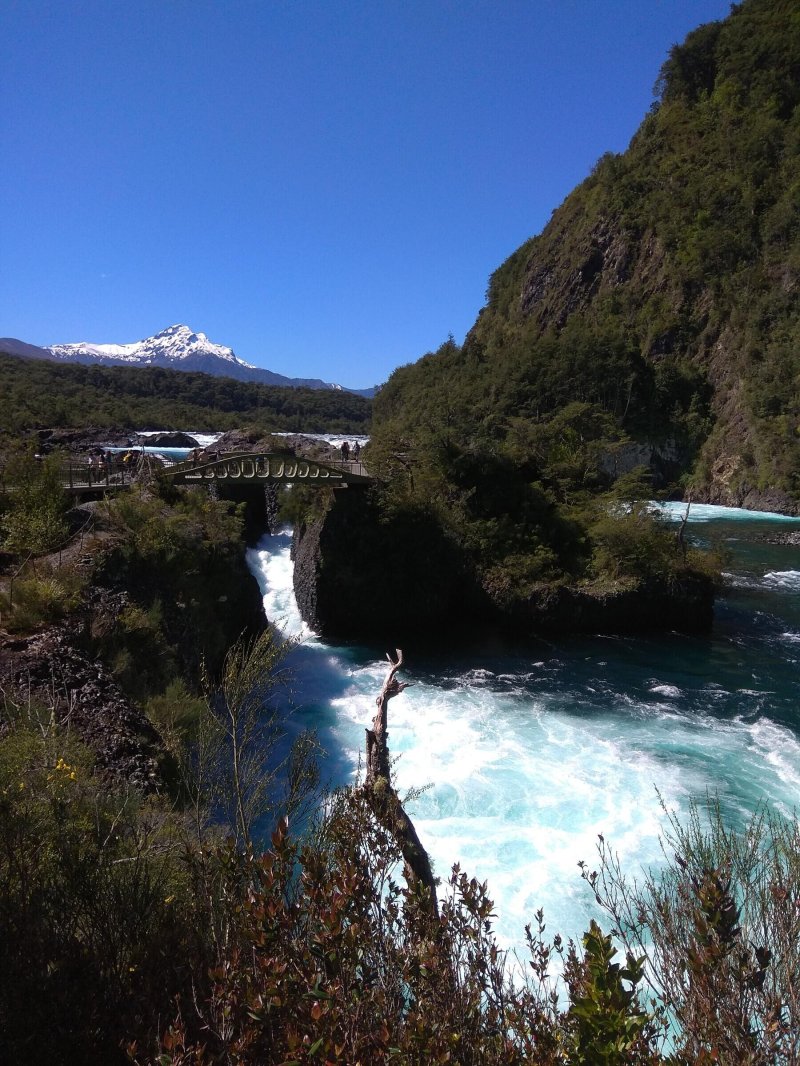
column 530, row 758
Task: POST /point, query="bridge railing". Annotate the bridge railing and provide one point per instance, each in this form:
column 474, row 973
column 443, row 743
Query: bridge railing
column 82, row 476
column 78, row 475
column 266, row 466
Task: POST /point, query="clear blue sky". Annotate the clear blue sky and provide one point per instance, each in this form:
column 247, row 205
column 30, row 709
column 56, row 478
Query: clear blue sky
column 323, row 185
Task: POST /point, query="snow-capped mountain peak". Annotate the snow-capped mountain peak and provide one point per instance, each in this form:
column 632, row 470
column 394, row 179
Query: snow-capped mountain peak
column 174, row 348
column 173, row 345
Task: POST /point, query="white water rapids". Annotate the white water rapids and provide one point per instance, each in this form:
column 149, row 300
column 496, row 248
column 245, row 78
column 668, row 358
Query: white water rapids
column 529, row 759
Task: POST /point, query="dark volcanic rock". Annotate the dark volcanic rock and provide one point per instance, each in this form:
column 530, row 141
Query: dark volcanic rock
column 770, row 500
column 78, row 441
column 793, row 538
column 734, row 495
column 271, row 508
column 171, row 440
column 242, row 440
column 357, row 577
column 47, row 669
column 311, row 448
column 686, row 606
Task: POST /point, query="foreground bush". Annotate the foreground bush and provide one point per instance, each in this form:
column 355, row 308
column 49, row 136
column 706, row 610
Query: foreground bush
column 132, row 932
column 323, row 957
column 41, row 596
column 95, row 921
column 720, row 929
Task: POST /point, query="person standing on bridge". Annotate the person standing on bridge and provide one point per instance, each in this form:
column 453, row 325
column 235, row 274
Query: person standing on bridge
column 356, row 451
column 345, row 450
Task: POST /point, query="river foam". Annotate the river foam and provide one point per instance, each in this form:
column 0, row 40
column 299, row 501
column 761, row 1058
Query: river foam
column 527, row 761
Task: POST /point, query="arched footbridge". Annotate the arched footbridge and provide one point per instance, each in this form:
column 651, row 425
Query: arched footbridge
column 232, row 468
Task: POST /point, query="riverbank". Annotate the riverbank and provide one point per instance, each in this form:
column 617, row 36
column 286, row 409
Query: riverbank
column 149, row 595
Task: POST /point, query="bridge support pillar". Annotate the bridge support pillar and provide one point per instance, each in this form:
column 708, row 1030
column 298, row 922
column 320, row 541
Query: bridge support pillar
column 271, row 505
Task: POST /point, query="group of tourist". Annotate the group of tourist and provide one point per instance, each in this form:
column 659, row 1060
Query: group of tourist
column 348, row 452
column 101, row 462
column 203, row 455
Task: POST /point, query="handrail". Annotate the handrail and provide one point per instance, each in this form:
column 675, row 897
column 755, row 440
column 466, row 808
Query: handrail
column 81, row 475
column 346, row 466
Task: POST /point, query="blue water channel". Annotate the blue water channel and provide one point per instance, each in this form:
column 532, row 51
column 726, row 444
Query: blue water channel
column 528, row 757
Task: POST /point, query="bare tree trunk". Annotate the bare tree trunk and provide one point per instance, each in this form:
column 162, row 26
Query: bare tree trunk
column 384, row 800
column 684, row 520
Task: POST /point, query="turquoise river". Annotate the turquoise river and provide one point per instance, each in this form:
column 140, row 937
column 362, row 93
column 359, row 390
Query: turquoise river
column 528, row 757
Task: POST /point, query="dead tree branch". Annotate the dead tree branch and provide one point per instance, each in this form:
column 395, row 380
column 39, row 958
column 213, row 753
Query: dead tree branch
column 383, row 798
column 684, row 520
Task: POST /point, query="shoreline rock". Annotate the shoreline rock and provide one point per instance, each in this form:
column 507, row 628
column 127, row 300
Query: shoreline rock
column 792, row 538
column 356, row 578
column 177, row 439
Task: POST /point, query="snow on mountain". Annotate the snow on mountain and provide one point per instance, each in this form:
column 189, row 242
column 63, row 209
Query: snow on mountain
column 172, row 345
column 174, row 348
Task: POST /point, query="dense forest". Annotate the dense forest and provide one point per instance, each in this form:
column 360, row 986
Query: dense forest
column 37, row 394
column 654, row 323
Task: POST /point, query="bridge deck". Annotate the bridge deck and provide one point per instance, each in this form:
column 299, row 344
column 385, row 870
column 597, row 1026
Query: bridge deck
column 227, row 467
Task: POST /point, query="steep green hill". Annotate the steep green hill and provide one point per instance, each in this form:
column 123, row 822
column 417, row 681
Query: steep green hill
column 660, row 306
column 648, row 338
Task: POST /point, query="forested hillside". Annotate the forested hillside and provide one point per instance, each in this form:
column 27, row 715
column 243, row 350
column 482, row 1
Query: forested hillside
column 655, row 320
column 37, row 394
column 664, row 290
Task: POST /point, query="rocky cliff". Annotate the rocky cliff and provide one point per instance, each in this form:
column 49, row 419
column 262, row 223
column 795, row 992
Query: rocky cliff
column 358, row 577
column 665, row 290
column 361, row 576
column 690, row 243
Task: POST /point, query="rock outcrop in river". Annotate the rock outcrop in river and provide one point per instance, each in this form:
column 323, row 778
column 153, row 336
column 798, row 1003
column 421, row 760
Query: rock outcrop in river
column 359, row 576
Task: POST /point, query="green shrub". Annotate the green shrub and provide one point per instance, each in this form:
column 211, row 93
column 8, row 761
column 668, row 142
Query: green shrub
column 95, row 919
column 632, row 542
column 39, row 598
column 33, row 504
column 719, row 928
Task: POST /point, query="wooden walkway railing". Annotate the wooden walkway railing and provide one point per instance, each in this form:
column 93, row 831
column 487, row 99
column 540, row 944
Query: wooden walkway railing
column 79, row 477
